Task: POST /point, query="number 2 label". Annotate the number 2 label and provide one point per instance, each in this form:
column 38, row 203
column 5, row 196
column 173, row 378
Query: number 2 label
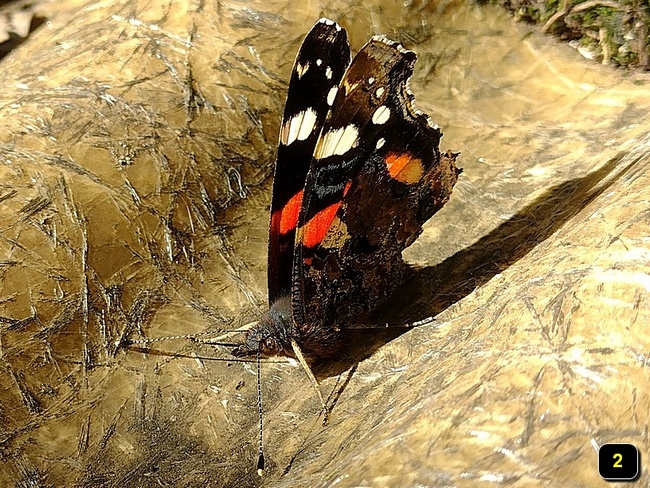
column 610, row 462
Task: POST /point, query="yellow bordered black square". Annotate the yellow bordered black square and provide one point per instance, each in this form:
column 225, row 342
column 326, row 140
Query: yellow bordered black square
column 619, row 462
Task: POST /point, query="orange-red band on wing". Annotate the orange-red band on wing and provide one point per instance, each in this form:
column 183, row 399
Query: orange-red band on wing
column 316, row 228
column 289, row 213
column 314, row 231
column 404, row 167
column 396, row 163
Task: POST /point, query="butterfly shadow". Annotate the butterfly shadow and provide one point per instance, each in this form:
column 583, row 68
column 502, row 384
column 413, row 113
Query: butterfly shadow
column 430, row 290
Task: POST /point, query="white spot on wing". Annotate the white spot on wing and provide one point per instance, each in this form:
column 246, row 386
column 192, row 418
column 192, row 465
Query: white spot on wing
column 298, row 127
column 396, row 45
column 337, row 142
column 348, row 88
column 307, row 124
column 332, row 95
column 319, row 62
column 371, row 80
column 381, row 115
column 325, row 21
column 380, row 143
column 301, row 69
column 285, row 132
column 379, row 91
column 328, row 73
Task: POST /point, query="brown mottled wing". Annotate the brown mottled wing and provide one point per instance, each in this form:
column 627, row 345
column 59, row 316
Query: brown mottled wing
column 376, row 178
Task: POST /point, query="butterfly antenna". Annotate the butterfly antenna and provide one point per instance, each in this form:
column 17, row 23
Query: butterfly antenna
column 420, row 323
column 410, row 325
column 260, row 455
column 303, row 362
column 215, row 341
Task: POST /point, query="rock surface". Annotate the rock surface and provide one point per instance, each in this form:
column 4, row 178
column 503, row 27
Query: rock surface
column 137, row 143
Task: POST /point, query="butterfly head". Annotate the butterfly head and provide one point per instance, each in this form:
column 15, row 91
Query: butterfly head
column 271, row 336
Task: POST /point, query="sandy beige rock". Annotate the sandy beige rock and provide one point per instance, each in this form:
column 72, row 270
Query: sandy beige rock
column 137, row 142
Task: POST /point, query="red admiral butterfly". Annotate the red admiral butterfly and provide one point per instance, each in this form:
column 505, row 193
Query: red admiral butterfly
column 358, row 173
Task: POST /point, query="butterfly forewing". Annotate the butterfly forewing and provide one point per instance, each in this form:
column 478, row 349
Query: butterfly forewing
column 318, row 69
column 358, row 173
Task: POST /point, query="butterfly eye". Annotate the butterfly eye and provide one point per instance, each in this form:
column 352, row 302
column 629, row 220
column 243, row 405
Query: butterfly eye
column 269, row 345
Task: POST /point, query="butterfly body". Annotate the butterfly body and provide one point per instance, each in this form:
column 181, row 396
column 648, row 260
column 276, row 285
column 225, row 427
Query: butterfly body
column 273, row 334
column 358, row 173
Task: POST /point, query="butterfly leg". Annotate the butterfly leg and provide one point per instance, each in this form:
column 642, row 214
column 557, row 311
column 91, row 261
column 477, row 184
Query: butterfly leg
column 305, row 366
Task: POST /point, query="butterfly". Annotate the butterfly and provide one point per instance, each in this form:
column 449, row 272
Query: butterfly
column 358, row 172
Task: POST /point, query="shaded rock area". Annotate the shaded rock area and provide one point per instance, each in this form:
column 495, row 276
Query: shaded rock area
column 137, row 145
column 17, row 21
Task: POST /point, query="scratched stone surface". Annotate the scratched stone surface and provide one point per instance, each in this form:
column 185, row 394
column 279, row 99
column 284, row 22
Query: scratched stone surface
column 137, row 142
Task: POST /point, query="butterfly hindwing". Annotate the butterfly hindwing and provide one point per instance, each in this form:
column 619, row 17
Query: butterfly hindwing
column 320, row 64
column 377, row 175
